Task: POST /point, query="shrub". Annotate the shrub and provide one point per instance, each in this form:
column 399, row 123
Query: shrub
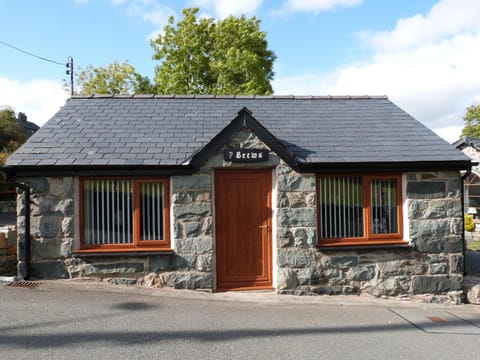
column 469, row 224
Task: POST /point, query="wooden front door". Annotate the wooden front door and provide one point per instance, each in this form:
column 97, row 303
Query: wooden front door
column 243, row 220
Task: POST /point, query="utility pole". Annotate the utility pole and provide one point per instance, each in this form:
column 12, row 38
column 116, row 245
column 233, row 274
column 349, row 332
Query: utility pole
column 69, row 71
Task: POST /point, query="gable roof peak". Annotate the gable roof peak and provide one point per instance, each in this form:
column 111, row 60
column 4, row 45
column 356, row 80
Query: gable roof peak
column 244, row 120
column 244, row 110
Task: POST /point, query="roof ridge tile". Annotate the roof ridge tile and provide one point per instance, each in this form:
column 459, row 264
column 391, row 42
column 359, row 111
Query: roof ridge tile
column 243, row 97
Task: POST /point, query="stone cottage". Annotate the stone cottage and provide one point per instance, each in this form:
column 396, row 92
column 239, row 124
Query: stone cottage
column 470, row 146
column 303, row 195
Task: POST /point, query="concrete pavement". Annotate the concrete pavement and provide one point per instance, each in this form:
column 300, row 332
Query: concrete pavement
column 78, row 320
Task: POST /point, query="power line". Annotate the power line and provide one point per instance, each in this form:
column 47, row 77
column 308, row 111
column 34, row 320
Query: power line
column 29, row 53
column 68, row 65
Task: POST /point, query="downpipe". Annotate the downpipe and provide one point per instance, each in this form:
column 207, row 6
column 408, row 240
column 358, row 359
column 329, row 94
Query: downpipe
column 462, row 184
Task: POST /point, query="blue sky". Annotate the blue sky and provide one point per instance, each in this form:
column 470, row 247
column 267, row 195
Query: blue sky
column 423, row 54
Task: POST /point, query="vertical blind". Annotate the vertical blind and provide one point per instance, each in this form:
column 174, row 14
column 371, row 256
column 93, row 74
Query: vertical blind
column 341, row 207
column 107, row 212
column 151, row 211
column 383, row 206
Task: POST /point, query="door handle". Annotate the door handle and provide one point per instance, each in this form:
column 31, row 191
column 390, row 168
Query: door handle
column 263, row 226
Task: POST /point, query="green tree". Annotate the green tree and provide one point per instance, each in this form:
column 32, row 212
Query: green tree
column 201, row 56
column 115, row 78
column 11, row 135
column 472, row 122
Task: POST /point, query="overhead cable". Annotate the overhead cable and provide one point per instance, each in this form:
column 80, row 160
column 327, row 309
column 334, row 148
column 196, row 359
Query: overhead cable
column 29, row 53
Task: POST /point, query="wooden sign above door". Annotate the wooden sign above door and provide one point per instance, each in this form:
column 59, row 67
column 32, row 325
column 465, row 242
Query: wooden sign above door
column 245, row 155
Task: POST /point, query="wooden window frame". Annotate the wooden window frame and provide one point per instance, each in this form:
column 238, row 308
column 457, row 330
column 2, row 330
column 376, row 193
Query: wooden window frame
column 137, row 245
column 472, row 181
column 368, row 238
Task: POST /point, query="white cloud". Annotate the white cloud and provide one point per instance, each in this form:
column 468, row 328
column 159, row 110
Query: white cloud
column 449, row 133
column 224, row 8
column 432, row 77
column 446, row 18
column 158, row 17
column 39, row 99
column 315, row 5
column 151, row 11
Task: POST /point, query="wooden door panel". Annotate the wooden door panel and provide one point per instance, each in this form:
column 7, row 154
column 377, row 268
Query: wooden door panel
column 243, row 228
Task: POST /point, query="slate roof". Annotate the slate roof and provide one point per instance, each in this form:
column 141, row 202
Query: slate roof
column 27, row 127
column 169, row 130
column 467, row 141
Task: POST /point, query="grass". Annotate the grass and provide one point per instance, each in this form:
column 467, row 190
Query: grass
column 473, row 245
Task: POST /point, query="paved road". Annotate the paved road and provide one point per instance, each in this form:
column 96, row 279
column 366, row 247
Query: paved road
column 58, row 320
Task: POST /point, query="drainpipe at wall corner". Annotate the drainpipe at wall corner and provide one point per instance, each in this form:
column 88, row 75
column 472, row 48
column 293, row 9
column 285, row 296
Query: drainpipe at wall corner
column 462, row 184
column 23, row 247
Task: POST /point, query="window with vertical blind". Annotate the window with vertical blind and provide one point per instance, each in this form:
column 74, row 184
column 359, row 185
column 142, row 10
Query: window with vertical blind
column 359, row 209
column 124, row 213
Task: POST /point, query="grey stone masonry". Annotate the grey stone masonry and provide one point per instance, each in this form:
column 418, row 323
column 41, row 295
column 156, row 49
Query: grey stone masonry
column 436, row 229
column 51, row 225
column 433, row 263
column 192, row 212
column 296, row 229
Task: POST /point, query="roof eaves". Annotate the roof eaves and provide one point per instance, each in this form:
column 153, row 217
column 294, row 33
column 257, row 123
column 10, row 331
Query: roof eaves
column 96, row 170
column 387, row 166
column 467, row 141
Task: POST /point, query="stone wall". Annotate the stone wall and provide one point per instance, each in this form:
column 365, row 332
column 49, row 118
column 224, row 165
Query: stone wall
column 433, row 263
column 296, row 231
column 192, row 211
column 51, row 225
column 435, row 227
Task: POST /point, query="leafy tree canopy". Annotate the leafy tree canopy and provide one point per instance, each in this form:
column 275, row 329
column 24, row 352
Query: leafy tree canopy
column 472, row 122
column 11, row 134
column 115, row 78
column 201, row 56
